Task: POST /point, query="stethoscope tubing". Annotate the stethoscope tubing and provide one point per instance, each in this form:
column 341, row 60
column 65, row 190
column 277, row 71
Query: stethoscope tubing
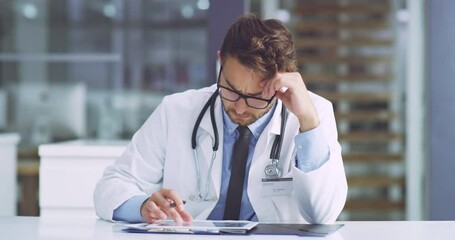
column 210, row 103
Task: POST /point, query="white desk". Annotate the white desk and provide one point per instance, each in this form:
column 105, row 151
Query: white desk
column 8, row 173
column 62, row 228
column 69, row 172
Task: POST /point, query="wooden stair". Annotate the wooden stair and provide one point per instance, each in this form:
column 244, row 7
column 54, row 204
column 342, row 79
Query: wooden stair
column 361, row 97
column 372, row 157
column 374, row 205
column 375, row 181
column 355, row 42
column 370, row 136
column 337, row 78
column 344, row 60
column 367, row 115
column 331, row 26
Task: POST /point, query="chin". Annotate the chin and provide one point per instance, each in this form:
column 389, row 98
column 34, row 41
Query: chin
column 244, row 123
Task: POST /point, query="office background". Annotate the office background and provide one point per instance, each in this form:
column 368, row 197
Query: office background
column 72, row 69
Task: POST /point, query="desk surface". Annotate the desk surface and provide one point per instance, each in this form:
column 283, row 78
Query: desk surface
column 31, row 228
column 84, row 148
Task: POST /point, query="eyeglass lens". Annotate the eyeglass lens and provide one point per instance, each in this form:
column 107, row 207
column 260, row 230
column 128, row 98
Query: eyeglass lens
column 251, row 102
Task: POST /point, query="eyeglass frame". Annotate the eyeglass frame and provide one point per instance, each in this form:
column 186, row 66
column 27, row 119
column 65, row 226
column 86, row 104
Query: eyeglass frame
column 240, row 95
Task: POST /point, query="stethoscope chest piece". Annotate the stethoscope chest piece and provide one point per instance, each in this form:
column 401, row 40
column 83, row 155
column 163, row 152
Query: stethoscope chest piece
column 273, row 170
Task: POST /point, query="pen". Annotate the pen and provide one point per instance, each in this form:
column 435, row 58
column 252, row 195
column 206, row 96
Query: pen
column 172, row 205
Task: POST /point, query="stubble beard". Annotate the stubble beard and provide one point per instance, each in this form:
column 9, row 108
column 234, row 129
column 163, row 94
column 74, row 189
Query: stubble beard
column 247, row 118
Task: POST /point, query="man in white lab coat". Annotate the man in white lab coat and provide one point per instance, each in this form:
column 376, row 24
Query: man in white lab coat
column 160, row 176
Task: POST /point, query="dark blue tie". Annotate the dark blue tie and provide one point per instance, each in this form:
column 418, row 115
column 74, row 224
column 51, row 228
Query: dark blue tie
column 235, row 189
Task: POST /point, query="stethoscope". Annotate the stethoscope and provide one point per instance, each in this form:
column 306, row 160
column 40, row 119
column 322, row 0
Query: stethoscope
column 272, row 170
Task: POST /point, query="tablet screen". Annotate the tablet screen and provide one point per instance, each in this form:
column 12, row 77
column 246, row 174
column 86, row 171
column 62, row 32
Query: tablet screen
column 205, row 225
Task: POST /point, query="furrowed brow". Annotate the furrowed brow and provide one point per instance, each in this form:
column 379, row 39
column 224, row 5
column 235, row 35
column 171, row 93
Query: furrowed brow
column 235, row 89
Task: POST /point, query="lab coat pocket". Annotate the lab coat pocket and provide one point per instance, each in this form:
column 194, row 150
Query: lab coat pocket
column 287, row 209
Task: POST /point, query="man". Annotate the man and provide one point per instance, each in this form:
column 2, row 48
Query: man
column 159, row 170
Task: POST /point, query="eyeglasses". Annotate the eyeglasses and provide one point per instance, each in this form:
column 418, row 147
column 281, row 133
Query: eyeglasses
column 233, row 96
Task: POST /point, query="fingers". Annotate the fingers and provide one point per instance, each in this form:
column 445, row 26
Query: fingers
column 186, row 216
column 271, row 86
column 290, row 88
column 163, row 204
column 151, row 212
column 282, row 82
column 171, row 196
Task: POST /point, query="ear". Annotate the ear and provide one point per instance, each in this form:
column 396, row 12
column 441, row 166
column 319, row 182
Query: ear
column 218, row 55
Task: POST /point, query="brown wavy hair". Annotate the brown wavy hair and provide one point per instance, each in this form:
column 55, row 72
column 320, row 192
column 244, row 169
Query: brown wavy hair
column 266, row 46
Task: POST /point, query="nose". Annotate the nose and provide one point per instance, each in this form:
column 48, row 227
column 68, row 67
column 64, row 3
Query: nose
column 240, row 106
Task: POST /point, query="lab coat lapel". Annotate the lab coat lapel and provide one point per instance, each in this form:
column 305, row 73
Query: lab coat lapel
column 207, row 144
column 264, row 207
column 265, row 141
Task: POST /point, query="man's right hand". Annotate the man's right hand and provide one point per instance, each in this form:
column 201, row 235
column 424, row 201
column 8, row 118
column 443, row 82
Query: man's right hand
column 158, row 207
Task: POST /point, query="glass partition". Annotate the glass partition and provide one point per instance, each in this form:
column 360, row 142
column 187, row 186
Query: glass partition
column 123, row 56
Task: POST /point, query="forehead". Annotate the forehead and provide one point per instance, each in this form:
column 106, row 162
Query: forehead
column 237, row 73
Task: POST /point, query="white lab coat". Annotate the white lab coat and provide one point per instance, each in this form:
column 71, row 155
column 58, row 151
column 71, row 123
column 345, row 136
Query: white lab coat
column 160, row 156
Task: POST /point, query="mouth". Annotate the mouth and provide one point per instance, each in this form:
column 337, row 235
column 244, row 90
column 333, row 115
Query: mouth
column 242, row 116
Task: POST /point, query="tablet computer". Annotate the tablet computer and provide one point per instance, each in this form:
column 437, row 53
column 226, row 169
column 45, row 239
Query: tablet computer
column 197, row 226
